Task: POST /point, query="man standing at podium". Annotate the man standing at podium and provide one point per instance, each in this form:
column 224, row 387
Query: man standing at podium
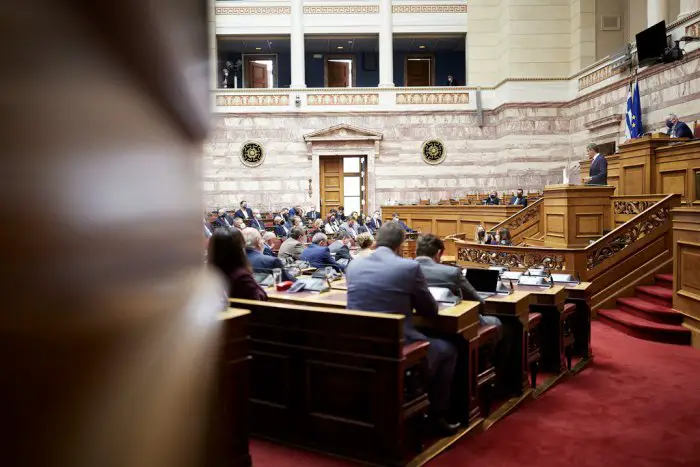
column 598, row 175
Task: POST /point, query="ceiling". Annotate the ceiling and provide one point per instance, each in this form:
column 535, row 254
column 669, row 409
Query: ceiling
column 343, row 44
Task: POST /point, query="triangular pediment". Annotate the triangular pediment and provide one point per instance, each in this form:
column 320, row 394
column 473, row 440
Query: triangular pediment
column 343, row 132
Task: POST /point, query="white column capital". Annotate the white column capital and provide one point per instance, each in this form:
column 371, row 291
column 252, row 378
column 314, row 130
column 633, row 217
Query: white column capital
column 688, row 7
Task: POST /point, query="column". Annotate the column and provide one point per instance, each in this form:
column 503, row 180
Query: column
column 688, row 7
column 213, row 55
column 656, row 11
column 386, row 45
column 297, row 45
column 466, row 60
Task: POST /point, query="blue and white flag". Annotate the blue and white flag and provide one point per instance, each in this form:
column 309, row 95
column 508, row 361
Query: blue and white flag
column 633, row 117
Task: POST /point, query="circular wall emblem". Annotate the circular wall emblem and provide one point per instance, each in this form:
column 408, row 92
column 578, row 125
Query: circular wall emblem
column 252, row 154
column 433, row 152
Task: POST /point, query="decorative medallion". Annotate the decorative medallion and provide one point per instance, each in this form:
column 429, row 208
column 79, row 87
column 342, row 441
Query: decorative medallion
column 252, row 154
column 433, row 152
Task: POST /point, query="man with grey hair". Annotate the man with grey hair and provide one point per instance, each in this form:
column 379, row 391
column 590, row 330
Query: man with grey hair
column 598, row 173
column 340, row 248
column 318, row 255
column 256, row 222
column 293, row 246
column 222, row 221
column 387, row 283
column 676, row 128
column 259, row 261
column 281, row 228
column 268, row 239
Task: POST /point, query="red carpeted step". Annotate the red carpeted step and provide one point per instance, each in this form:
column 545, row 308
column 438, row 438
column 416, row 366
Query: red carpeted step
column 655, row 294
column 651, row 311
column 664, row 280
column 645, row 329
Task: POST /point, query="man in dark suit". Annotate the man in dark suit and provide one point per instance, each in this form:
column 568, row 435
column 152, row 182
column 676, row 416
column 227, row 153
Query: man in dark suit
column 313, row 214
column 256, row 222
column 375, row 222
column 318, row 255
column 386, row 282
column 341, row 247
column 451, row 81
column 397, row 220
column 340, row 215
column 519, row 199
column 678, row 129
column 222, row 221
column 598, row 173
column 292, row 247
column 268, row 238
column 259, row 261
column 492, row 200
column 429, row 253
column 244, row 212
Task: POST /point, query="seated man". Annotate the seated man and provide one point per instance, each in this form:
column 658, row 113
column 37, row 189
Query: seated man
column 244, row 212
column 268, row 240
column 492, row 200
column 375, row 222
column 349, row 227
column 238, row 223
column 222, row 220
column 340, row 248
column 385, row 282
column 318, row 255
column 519, row 199
column 292, row 247
column 313, row 214
column 403, row 225
column 281, row 228
column 428, row 254
column 676, row 128
column 258, row 261
column 256, row 222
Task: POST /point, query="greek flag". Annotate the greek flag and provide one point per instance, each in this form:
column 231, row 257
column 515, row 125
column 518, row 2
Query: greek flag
column 633, row 118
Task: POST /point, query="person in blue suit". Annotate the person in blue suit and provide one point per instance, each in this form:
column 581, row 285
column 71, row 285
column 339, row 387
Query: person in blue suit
column 318, row 254
column 375, row 222
column 678, row 129
column 398, row 221
column 222, row 221
column 598, row 173
column 385, row 282
column 519, row 199
column 259, row 261
column 281, row 229
column 244, row 212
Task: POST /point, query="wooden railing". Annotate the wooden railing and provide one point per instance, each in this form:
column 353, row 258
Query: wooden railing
column 524, row 224
column 626, row 207
column 629, row 248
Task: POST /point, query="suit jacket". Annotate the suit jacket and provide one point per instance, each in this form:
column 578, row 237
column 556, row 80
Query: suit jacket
column 599, row 171
column 221, row 221
column 374, row 224
column 404, row 226
column 519, row 201
column 340, row 250
column 680, row 130
column 442, row 275
column 492, row 201
column 280, row 232
column 293, row 212
column 257, row 224
column 344, row 227
column 313, row 215
column 384, row 282
column 290, row 248
column 242, row 285
column 320, row 257
column 267, row 250
column 264, row 263
column 240, row 214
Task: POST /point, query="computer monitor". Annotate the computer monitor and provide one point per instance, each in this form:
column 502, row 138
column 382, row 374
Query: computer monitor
column 651, row 44
column 483, row 280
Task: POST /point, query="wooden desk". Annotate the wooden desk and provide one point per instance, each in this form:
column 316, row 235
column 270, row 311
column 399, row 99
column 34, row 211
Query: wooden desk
column 448, row 220
column 580, row 295
column 230, row 415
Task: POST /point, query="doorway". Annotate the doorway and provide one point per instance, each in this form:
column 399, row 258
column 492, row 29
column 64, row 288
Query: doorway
column 340, row 71
column 419, row 70
column 343, row 183
column 259, row 71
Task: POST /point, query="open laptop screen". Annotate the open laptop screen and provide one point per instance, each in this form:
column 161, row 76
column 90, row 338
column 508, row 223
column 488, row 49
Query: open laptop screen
column 483, row 280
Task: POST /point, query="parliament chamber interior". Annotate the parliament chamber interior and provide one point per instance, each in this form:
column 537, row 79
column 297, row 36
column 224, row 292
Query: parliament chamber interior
column 329, row 233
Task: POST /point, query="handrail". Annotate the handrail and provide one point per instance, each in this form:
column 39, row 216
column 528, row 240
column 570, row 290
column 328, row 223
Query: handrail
column 527, row 213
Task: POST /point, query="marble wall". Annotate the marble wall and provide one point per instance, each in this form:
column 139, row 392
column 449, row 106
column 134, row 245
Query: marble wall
column 521, row 144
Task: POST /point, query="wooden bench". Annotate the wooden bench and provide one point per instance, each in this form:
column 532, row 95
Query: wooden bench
column 334, row 381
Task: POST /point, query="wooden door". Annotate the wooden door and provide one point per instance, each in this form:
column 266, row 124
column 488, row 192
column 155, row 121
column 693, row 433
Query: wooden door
column 418, row 72
column 331, row 184
column 258, row 75
column 338, row 76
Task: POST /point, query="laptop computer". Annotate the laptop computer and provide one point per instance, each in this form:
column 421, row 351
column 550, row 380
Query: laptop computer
column 485, row 281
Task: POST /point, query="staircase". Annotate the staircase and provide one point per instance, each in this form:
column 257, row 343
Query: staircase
column 648, row 315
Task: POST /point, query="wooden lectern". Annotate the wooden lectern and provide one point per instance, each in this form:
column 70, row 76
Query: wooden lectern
column 576, row 214
column 638, row 164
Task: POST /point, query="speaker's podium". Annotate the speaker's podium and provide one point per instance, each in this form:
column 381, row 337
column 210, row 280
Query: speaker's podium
column 576, row 214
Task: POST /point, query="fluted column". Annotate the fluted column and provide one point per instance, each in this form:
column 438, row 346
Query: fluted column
column 297, row 45
column 386, row 45
column 688, row 7
column 656, row 11
column 213, row 55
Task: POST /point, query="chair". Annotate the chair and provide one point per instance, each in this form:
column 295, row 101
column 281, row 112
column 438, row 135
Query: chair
column 486, row 371
column 533, row 347
column 696, row 130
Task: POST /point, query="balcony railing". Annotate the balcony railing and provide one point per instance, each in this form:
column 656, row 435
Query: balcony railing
column 343, row 99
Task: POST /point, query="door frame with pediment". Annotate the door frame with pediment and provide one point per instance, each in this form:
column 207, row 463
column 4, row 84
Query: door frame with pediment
column 343, row 140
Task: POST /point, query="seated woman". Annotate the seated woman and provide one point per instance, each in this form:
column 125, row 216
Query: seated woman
column 317, row 227
column 227, row 254
column 503, row 237
column 332, row 226
column 482, row 237
column 365, row 242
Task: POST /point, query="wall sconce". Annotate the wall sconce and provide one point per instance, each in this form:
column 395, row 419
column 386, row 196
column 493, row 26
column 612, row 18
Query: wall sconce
column 311, row 191
column 297, row 101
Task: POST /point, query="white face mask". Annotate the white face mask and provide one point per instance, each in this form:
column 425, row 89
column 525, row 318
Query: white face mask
column 376, row 216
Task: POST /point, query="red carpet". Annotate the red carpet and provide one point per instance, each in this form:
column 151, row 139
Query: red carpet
column 637, row 405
